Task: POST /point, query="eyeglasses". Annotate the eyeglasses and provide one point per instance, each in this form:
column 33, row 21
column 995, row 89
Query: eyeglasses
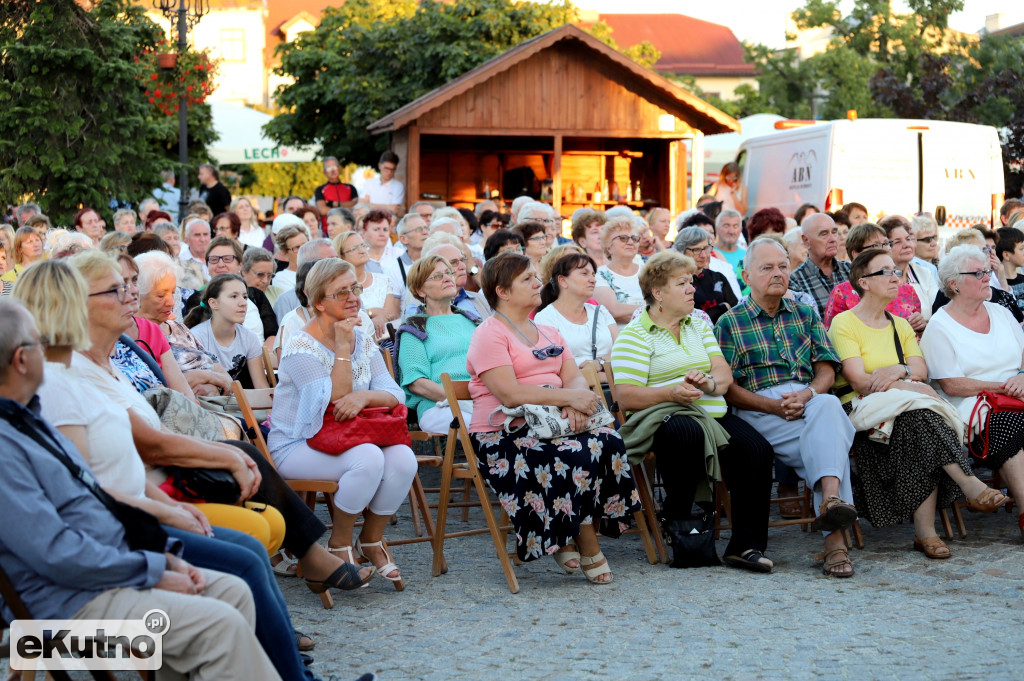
column 288, row 250
column 883, row 245
column 457, row 261
column 626, row 238
column 43, row 342
column 980, row 275
column 539, row 237
column 545, row 221
column 701, row 251
column 513, row 249
column 438, row 276
column 226, row 259
column 121, row 292
column 262, row 275
column 413, row 230
column 361, row 247
column 926, row 239
column 893, row 243
column 343, row 293
column 885, row 272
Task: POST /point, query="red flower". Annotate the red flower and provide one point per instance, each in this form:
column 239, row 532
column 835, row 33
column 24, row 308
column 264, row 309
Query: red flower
column 189, row 88
column 153, row 77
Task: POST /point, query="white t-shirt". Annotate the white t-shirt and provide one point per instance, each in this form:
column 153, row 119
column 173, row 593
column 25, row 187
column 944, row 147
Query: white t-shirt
column 626, row 289
column 578, row 336
column 245, row 346
column 726, row 270
column 253, row 321
column 254, row 237
column 951, row 350
column 116, row 388
column 392, row 193
column 68, row 401
column 285, row 279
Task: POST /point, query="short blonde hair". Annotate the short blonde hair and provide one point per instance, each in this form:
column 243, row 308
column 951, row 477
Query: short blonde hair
column 321, row 275
column 660, row 268
column 338, row 242
column 56, row 295
column 115, row 241
column 964, row 236
column 94, row 264
column 612, row 227
column 420, row 271
column 547, row 263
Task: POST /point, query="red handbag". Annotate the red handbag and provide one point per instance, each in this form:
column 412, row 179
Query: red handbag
column 381, row 426
column 988, row 403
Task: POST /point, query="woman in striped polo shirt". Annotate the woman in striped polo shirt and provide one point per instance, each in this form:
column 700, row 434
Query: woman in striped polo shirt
column 671, row 377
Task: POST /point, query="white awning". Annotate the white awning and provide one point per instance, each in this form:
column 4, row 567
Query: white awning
column 241, row 138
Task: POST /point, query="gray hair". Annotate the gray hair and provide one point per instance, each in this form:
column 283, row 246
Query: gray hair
column 25, row 209
column 923, row 222
column 251, row 256
column 517, row 205
column 400, row 227
column 310, row 251
column 154, row 266
column 188, row 226
column 122, row 212
column 167, row 175
column 163, row 227
column 65, row 242
column 345, row 214
column 684, row 215
column 13, row 332
column 531, row 208
column 727, row 213
column 617, row 211
column 145, row 202
column 690, row 237
column 758, row 244
column 954, row 263
column 792, row 237
column 437, row 222
column 439, row 239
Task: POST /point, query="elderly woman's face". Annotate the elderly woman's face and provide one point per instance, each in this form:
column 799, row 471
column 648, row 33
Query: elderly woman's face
column 876, row 282
column 622, row 245
column 676, row 294
column 131, row 278
column 260, row 275
column 223, row 228
column 172, row 240
column 440, row 285
column 157, row 304
column 340, row 300
column 311, row 222
column 335, row 226
column 537, row 246
column 701, row 254
column 974, row 286
column 580, row 282
column 592, row 239
column 32, row 247
column 524, row 291
column 903, row 246
column 111, row 305
column 355, row 250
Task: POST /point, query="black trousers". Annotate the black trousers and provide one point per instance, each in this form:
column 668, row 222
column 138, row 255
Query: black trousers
column 746, row 467
column 302, row 528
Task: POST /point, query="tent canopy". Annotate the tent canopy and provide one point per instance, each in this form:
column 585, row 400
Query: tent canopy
column 241, row 138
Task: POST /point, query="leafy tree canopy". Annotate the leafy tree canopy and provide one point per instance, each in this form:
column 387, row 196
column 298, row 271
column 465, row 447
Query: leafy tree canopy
column 368, row 58
column 75, row 126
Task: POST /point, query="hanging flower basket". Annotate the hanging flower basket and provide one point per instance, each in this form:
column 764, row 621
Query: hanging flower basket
column 167, row 61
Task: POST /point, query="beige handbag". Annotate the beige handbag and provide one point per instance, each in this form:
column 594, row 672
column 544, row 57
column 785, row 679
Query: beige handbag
column 180, row 415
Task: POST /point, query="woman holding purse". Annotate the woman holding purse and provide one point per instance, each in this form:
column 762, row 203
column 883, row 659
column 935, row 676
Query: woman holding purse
column 974, row 345
column 555, row 491
column 332, row 360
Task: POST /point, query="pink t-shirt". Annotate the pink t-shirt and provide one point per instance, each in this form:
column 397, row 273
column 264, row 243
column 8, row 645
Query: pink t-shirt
column 152, row 339
column 495, row 345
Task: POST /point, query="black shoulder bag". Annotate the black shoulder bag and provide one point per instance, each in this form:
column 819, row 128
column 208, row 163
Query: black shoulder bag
column 141, row 529
column 896, row 339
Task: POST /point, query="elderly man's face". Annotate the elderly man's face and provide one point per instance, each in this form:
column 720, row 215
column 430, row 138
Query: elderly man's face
column 294, row 206
column 92, row 227
column 425, row 211
column 821, row 236
column 332, row 169
column 767, row 271
column 729, row 232
column 416, row 231
column 198, row 238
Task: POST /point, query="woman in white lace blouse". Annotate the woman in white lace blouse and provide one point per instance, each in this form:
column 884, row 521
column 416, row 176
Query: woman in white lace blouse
column 333, row 360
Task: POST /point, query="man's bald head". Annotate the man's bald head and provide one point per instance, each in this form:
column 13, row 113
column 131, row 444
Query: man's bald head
column 14, row 332
column 816, row 221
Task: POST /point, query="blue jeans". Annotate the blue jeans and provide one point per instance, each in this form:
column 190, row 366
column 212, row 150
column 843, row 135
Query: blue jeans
column 239, row 554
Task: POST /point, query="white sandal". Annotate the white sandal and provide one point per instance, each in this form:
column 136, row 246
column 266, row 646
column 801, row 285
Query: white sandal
column 286, row 566
column 599, row 566
column 385, row 569
column 564, row 556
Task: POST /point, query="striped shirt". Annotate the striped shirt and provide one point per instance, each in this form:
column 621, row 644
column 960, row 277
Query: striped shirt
column 648, row 355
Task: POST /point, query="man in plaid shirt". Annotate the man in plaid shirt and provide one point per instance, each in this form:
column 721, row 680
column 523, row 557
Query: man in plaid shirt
column 783, row 367
column 821, row 272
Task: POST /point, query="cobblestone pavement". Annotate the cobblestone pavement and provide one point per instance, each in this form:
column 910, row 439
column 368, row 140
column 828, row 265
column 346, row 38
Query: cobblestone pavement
column 902, row 616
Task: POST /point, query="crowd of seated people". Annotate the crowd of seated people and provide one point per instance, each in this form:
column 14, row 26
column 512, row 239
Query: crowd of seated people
column 731, row 347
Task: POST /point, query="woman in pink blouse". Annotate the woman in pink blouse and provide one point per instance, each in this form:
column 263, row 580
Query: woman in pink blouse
column 860, row 238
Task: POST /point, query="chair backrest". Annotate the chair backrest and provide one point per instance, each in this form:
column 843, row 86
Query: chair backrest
column 590, row 374
column 615, row 407
column 258, row 398
column 268, row 366
column 389, row 362
column 453, row 392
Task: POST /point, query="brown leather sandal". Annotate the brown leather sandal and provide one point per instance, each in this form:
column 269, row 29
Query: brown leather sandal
column 830, row 562
column 834, row 514
column 932, row 547
column 986, row 501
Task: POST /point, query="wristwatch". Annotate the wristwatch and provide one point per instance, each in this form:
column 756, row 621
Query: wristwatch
column 814, row 393
column 369, row 313
column 906, row 367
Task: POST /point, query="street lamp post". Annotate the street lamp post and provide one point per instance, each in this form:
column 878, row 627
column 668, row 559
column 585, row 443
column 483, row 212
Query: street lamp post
column 187, row 13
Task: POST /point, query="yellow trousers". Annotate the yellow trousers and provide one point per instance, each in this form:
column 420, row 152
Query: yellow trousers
column 264, row 523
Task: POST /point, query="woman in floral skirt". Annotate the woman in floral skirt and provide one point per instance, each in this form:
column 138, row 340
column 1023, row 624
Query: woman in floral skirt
column 555, row 491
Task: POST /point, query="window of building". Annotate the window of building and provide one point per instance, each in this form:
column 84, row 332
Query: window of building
column 232, row 44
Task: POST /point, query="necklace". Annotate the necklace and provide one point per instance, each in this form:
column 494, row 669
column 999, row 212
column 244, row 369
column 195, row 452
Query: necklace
column 366, row 275
column 539, row 332
column 102, row 365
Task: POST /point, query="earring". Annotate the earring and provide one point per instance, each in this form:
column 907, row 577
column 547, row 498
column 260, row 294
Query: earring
column 660, row 309
column 956, row 291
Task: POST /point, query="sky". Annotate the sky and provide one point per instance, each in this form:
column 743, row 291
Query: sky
column 764, row 21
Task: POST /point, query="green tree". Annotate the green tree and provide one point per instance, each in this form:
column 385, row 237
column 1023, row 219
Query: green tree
column 368, row 58
column 643, row 53
column 75, row 126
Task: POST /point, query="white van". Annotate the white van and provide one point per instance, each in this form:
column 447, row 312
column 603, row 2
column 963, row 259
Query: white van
column 893, row 166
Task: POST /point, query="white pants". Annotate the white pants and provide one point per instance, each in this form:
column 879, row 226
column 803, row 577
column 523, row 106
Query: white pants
column 438, row 418
column 210, row 637
column 368, row 476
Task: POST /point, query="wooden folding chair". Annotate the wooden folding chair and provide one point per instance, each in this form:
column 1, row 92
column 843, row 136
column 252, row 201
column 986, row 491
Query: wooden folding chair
column 455, row 391
column 269, row 367
column 642, row 528
column 643, row 476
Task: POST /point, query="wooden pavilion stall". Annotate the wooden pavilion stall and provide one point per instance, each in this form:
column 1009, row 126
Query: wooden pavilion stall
column 562, row 117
